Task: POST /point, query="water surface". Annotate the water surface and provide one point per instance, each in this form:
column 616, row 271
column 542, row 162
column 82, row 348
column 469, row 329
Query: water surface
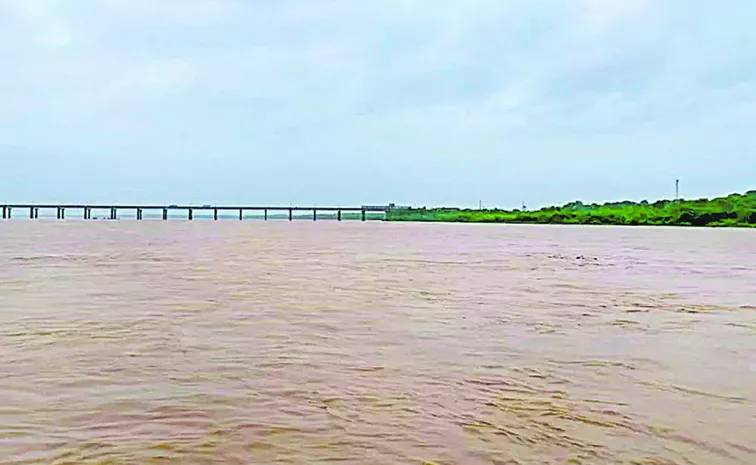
column 316, row 343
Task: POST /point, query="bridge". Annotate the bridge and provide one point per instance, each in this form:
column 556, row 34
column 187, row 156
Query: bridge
column 85, row 210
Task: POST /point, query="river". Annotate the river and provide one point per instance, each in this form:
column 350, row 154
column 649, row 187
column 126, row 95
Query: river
column 375, row 343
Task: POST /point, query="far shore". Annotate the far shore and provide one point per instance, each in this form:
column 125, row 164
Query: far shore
column 735, row 210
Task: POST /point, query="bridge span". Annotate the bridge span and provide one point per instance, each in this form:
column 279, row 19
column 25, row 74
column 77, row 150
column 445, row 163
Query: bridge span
column 85, row 210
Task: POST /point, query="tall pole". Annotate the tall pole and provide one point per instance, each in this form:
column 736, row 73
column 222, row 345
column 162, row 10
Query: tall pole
column 677, row 190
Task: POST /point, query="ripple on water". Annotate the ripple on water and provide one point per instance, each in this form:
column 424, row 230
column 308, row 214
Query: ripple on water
column 251, row 342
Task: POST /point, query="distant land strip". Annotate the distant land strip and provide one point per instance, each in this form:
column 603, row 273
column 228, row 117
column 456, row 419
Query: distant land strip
column 735, row 210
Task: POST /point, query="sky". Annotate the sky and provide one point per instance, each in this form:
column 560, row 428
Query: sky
column 344, row 102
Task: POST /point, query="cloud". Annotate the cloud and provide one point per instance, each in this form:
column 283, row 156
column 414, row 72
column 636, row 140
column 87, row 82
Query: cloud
column 603, row 16
column 41, row 22
column 469, row 94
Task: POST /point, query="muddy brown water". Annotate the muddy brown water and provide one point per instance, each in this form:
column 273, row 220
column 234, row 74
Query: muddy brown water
column 315, row 343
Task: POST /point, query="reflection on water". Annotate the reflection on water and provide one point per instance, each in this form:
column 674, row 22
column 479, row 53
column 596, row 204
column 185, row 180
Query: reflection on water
column 238, row 343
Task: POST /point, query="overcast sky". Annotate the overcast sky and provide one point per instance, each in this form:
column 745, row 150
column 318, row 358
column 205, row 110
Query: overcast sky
column 423, row 102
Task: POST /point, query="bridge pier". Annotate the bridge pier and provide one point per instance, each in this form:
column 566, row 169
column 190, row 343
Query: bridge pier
column 191, row 214
column 291, row 214
column 62, row 213
column 139, row 213
column 265, row 215
column 5, row 212
column 241, row 214
column 165, row 214
column 363, row 215
column 113, row 213
column 31, row 213
column 215, row 214
column 87, row 213
column 314, row 215
column 338, row 215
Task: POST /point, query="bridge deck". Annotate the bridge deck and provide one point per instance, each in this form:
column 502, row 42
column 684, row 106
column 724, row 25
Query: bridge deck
column 186, row 207
column 33, row 209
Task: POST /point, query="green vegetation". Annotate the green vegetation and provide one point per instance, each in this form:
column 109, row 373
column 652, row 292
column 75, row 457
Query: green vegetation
column 736, row 210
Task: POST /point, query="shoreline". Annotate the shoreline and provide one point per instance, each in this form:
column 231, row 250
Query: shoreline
column 440, row 221
column 732, row 211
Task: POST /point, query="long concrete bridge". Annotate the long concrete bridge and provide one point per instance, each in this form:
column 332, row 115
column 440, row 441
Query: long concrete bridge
column 32, row 210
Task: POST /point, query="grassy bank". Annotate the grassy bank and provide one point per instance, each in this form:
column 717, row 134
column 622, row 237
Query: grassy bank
column 736, row 210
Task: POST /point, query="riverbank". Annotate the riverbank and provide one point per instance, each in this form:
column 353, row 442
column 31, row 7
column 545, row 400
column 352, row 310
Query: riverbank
column 736, row 210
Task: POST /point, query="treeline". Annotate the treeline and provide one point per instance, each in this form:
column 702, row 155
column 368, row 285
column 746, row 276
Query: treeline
column 736, row 210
